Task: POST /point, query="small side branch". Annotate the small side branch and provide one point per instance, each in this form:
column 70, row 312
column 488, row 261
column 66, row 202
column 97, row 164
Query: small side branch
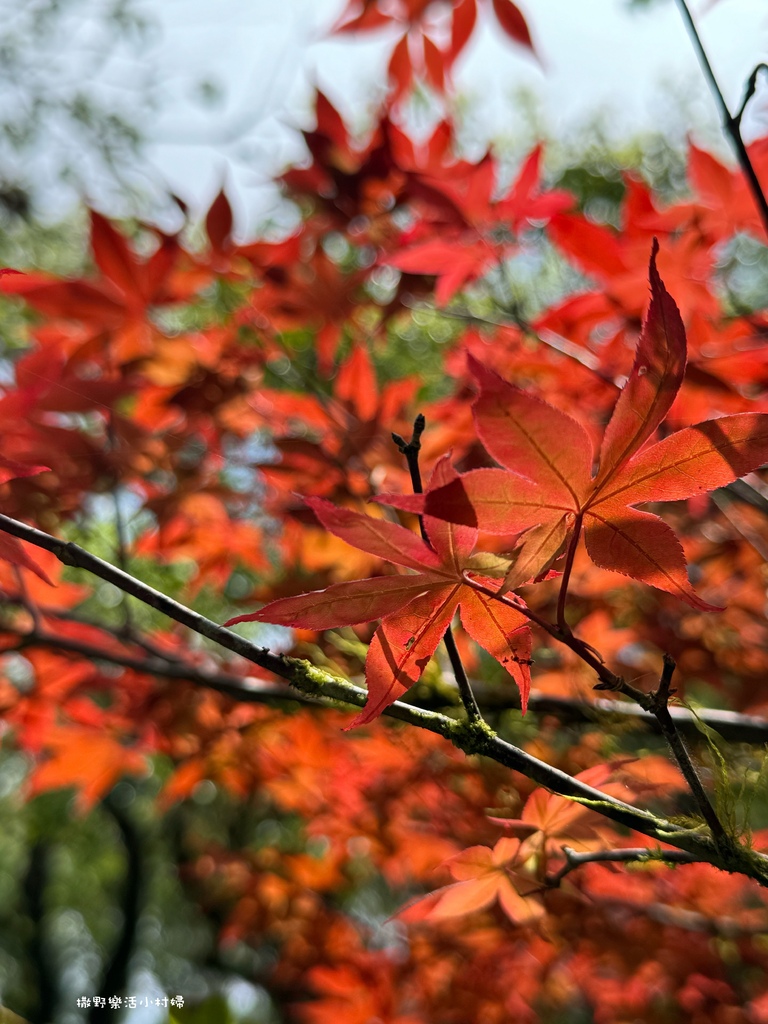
column 749, row 91
column 410, row 449
column 641, row 855
column 658, row 705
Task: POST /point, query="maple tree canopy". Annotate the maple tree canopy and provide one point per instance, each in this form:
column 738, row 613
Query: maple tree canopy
column 486, row 747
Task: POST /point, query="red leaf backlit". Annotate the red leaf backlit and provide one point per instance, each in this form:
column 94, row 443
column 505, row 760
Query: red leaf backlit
column 415, row 610
column 547, row 482
column 655, row 379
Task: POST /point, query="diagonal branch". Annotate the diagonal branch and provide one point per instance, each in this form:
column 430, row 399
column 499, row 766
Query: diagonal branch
column 470, row 737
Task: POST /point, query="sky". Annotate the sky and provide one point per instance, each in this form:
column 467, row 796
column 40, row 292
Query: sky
column 264, row 58
column 233, row 80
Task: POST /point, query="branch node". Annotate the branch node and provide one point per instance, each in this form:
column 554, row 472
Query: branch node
column 749, row 92
column 411, row 448
column 659, row 699
column 67, row 554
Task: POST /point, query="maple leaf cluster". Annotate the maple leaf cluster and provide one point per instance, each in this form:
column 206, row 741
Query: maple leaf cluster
column 218, row 421
column 418, row 53
column 546, row 496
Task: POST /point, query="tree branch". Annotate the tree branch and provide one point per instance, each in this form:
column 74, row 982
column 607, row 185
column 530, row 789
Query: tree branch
column 642, row 854
column 731, row 725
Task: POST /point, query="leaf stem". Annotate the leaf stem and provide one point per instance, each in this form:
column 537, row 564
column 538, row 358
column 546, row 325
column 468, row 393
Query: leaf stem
column 562, row 597
column 410, row 449
column 731, row 124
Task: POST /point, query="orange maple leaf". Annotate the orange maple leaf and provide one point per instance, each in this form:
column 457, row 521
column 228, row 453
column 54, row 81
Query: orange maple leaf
column 483, row 876
column 91, row 761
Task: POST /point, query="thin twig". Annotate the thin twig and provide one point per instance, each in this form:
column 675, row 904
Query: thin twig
column 410, row 449
column 659, row 706
column 749, row 91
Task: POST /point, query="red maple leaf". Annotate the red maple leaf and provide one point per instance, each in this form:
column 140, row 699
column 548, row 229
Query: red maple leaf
column 411, row 15
column 415, row 609
column 548, row 488
column 120, row 299
column 11, row 549
column 89, row 759
column 481, row 230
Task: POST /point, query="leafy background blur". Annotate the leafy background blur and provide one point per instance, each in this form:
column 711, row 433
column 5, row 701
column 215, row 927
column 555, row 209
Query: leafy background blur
column 134, row 106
